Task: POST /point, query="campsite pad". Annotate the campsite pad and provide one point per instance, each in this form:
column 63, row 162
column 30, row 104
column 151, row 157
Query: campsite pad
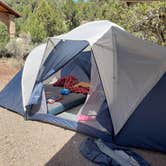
column 67, row 102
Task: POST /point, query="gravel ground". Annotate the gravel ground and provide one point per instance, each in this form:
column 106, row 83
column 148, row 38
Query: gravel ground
column 27, row 143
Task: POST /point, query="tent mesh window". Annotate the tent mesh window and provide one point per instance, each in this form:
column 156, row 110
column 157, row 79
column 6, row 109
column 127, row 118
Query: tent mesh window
column 95, row 99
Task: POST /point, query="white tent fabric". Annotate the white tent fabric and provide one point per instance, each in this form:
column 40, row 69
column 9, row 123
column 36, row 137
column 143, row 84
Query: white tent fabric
column 30, row 72
column 90, row 32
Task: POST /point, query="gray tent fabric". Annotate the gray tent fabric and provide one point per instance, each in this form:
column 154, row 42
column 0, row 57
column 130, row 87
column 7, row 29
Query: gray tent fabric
column 105, row 57
column 132, row 70
column 139, row 66
column 11, row 95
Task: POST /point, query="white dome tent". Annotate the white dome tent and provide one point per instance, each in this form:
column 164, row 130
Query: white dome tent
column 125, row 74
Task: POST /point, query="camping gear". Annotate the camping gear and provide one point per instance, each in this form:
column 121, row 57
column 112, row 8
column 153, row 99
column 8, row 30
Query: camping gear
column 54, row 99
column 109, row 154
column 85, row 118
column 82, row 84
column 64, row 91
column 63, row 103
column 71, row 83
column 127, row 84
column 66, row 82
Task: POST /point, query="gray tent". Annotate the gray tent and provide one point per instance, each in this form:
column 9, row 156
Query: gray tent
column 122, row 71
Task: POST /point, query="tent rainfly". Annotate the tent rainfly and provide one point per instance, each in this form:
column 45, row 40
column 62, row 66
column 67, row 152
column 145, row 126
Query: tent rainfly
column 127, row 92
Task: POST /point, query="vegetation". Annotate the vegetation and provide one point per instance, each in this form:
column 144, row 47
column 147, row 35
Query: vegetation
column 3, row 35
column 45, row 18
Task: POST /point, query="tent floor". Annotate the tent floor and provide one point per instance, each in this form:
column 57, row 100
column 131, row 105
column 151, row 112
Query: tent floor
column 70, row 114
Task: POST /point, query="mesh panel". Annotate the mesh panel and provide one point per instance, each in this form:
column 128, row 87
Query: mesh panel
column 49, row 47
column 96, row 94
column 95, row 99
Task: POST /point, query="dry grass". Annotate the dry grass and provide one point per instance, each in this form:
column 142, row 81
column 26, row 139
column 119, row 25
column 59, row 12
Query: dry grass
column 7, row 70
column 12, row 62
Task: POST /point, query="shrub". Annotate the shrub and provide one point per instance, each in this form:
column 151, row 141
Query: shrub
column 3, row 34
column 3, row 51
column 19, row 47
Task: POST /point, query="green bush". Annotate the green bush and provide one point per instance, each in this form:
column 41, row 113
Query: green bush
column 3, row 36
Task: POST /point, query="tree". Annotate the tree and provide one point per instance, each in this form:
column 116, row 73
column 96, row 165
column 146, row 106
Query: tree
column 36, row 29
column 3, row 35
column 151, row 22
column 70, row 11
column 51, row 17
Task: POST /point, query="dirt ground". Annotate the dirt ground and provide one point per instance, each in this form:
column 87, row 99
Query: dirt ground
column 29, row 143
